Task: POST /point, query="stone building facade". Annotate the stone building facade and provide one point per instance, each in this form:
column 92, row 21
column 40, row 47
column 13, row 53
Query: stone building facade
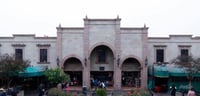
column 102, row 47
column 101, row 50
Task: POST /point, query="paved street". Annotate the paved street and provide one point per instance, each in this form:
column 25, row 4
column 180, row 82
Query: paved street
column 79, row 93
column 166, row 94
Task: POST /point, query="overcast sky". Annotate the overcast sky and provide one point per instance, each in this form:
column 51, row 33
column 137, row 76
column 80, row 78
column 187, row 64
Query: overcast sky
column 41, row 17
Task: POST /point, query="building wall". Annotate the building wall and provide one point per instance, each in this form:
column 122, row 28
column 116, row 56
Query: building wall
column 72, row 43
column 101, row 33
column 131, row 44
column 30, row 48
column 123, row 43
column 172, row 44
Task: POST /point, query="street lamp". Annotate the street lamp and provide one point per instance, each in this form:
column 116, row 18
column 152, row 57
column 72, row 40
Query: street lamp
column 57, row 61
column 85, row 61
column 146, row 61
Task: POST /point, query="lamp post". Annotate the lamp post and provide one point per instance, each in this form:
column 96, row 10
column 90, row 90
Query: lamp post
column 152, row 77
column 57, row 61
column 146, row 62
column 85, row 61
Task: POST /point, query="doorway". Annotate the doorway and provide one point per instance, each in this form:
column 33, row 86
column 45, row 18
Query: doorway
column 75, row 78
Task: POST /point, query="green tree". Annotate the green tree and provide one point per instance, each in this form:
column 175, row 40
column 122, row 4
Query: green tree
column 56, row 75
column 101, row 92
column 190, row 64
column 10, row 67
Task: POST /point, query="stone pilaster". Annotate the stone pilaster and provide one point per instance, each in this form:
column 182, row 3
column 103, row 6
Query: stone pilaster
column 86, row 70
column 59, row 45
column 145, row 59
column 117, row 70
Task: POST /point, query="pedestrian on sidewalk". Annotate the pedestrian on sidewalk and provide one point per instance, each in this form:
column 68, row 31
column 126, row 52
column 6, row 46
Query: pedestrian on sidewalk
column 191, row 92
column 173, row 90
column 41, row 90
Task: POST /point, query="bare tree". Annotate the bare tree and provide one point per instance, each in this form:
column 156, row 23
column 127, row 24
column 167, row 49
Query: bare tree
column 10, row 67
column 190, row 64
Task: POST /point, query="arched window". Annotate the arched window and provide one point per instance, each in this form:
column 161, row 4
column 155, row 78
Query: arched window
column 101, row 55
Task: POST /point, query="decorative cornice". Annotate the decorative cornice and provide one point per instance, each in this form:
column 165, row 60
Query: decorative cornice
column 70, row 28
column 133, row 28
column 184, row 45
column 43, row 45
column 180, row 36
column 159, row 45
column 18, row 45
column 102, row 19
column 46, row 37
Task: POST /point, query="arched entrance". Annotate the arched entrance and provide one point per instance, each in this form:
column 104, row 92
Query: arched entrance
column 102, row 65
column 131, row 73
column 73, row 67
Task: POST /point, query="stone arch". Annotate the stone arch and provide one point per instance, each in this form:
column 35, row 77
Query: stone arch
column 130, row 56
column 131, row 71
column 73, row 66
column 102, row 70
column 71, row 56
column 102, row 44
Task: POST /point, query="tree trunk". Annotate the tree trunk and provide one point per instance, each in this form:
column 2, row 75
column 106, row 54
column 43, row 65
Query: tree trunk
column 9, row 82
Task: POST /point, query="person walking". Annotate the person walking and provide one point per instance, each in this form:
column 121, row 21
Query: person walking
column 41, row 90
column 191, row 92
column 173, row 90
column 2, row 92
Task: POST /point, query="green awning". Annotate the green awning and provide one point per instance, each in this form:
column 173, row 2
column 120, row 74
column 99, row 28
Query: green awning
column 33, row 71
column 159, row 71
column 164, row 71
column 176, row 71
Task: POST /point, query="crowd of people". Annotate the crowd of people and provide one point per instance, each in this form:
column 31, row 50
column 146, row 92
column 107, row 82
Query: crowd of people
column 12, row 91
column 99, row 83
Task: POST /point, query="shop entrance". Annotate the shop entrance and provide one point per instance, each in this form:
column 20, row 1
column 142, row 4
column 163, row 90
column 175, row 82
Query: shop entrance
column 160, row 84
column 131, row 73
column 105, row 76
column 75, row 77
column 73, row 68
column 130, row 79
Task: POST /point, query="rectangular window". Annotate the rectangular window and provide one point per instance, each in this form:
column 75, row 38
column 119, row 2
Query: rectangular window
column 159, row 55
column 19, row 54
column 101, row 55
column 184, row 52
column 43, row 55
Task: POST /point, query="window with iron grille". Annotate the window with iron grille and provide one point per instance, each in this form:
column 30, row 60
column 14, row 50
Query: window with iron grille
column 159, row 55
column 184, row 52
column 19, row 54
column 101, row 55
column 43, row 55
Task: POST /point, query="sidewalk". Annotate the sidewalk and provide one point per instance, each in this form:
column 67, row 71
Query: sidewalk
column 167, row 94
column 30, row 93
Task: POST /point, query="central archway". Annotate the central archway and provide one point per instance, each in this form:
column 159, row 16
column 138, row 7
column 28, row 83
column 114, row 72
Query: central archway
column 102, row 65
